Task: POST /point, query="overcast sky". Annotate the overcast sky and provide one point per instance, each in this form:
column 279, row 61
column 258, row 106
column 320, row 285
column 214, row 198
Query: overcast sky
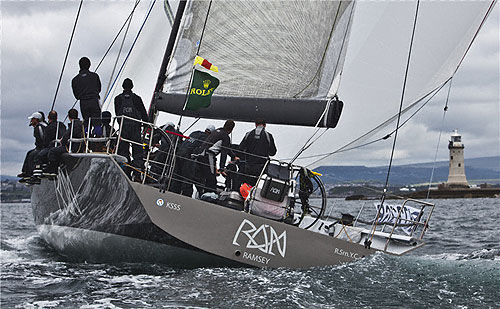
column 35, row 35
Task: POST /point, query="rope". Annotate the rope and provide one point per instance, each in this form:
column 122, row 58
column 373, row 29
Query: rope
column 475, row 34
column 401, row 102
column 117, row 35
column 307, row 144
column 187, row 92
column 374, row 228
column 191, row 125
column 377, row 128
column 67, row 53
column 326, row 155
column 121, row 47
column 130, row 51
column 109, row 48
column 138, row 170
column 324, row 53
column 445, row 109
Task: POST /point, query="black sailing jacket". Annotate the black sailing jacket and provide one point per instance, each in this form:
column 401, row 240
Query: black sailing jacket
column 86, row 85
column 39, row 134
column 219, row 142
column 50, row 132
column 138, row 107
column 258, row 145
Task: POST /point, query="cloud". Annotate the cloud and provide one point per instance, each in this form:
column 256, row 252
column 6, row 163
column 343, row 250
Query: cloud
column 35, row 35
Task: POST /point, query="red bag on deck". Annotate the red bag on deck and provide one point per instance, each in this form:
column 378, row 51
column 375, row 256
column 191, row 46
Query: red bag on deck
column 245, row 190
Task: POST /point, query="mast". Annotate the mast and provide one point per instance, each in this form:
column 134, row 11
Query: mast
column 166, row 58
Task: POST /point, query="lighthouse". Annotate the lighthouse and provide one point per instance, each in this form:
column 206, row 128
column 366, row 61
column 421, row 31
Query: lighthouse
column 456, row 177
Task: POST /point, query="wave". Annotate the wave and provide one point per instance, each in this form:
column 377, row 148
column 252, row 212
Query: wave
column 480, row 254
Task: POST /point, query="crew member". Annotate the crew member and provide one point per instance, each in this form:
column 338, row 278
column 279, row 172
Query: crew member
column 39, row 134
column 130, row 105
column 165, row 140
column 217, row 143
column 257, row 145
column 54, row 130
column 107, row 132
column 74, row 131
column 86, row 88
column 185, row 167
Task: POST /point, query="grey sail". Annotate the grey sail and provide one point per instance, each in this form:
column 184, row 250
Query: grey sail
column 275, row 56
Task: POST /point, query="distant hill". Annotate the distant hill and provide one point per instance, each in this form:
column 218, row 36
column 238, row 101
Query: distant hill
column 489, row 163
column 479, row 169
column 486, row 168
column 6, row 177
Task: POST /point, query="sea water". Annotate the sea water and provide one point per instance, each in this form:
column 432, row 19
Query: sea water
column 458, row 268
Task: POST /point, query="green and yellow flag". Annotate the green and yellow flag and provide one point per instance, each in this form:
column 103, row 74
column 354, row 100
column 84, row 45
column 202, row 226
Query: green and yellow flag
column 201, row 90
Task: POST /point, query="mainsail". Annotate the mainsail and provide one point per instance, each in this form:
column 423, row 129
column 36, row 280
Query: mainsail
column 276, row 59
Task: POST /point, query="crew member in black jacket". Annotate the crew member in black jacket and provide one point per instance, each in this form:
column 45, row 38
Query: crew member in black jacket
column 185, row 167
column 39, row 134
column 217, row 143
column 74, row 131
column 130, row 104
column 54, row 130
column 257, row 145
column 86, row 88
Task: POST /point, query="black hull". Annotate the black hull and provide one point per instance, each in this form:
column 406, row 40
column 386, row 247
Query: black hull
column 102, row 220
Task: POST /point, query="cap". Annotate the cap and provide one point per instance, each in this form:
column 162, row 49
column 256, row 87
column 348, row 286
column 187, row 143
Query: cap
column 36, row 115
column 210, row 127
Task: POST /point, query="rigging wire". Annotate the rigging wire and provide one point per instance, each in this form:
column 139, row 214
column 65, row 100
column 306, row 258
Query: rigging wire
column 197, row 53
column 379, row 127
column 400, row 105
column 110, row 46
column 117, row 35
column 343, row 148
column 476, row 34
column 67, row 53
column 384, row 193
column 129, row 52
column 191, row 125
column 324, row 53
column 445, row 109
column 172, row 166
column 309, row 143
column 121, row 47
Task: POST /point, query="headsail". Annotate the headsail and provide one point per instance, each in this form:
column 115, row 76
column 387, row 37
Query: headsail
column 274, row 57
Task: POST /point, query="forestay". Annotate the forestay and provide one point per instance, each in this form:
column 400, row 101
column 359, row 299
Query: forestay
column 276, row 59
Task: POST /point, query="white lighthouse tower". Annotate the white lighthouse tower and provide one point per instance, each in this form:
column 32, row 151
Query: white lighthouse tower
column 456, row 177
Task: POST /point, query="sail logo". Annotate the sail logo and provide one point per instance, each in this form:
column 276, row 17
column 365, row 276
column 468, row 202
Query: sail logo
column 266, row 234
